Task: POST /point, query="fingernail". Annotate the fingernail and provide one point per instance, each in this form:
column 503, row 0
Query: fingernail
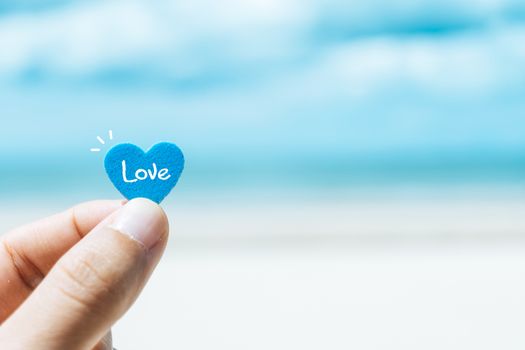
column 142, row 220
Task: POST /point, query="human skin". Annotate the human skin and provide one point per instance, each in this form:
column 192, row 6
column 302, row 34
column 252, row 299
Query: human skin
column 65, row 280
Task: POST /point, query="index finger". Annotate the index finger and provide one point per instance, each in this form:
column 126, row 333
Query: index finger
column 29, row 252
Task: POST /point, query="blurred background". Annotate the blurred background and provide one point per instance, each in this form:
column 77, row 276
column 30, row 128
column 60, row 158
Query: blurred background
column 355, row 172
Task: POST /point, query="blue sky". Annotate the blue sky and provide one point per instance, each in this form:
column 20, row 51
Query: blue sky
column 268, row 81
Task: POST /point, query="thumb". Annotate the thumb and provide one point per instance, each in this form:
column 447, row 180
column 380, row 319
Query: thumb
column 93, row 284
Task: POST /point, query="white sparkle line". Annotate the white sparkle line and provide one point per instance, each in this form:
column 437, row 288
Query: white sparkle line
column 100, row 140
column 95, row 149
column 111, row 134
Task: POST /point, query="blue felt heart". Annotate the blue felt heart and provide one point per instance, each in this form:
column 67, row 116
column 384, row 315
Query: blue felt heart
column 150, row 174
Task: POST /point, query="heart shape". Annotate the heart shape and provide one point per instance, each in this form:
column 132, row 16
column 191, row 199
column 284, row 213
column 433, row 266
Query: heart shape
column 151, row 174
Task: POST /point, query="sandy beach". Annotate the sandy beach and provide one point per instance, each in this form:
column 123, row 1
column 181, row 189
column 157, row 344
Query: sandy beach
column 245, row 219
column 332, row 274
column 452, row 297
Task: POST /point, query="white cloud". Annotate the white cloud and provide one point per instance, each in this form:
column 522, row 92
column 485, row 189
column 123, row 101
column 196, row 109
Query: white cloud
column 78, row 39
column 468, row 64
column 82, row 38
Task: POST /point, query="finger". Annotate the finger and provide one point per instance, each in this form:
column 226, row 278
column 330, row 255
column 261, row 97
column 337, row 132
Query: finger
column 29, row 252
column 106, row 343
column 93, row 284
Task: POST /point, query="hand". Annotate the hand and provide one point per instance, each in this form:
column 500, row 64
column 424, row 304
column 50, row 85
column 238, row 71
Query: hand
column 65, row 280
